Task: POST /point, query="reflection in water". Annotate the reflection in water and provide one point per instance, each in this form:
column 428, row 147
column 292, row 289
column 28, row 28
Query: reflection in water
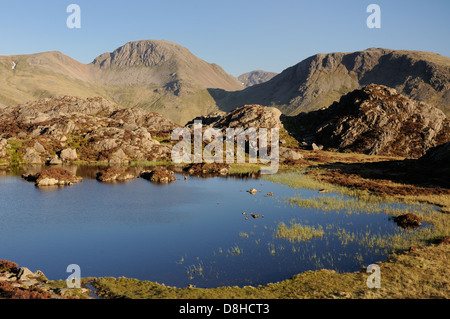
column 188, row 232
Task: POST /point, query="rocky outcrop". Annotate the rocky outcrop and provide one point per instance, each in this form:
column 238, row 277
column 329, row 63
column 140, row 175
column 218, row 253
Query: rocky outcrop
column 374, row 120
column 111, row 175
column 22, row 283
column 159, row 176
column 256, row 116
column 202, row 169
column 53, row 177
column 68, row 129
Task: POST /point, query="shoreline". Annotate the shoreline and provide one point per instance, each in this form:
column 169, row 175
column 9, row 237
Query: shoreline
column 326, row 283
column 404, row 275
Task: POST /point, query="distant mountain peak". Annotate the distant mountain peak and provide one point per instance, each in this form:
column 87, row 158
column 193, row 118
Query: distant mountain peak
column 141, row 53
column 256, row 77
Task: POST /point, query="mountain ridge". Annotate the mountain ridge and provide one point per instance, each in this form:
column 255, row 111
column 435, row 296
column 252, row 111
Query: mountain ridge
column 323, row 78
column 165, row 77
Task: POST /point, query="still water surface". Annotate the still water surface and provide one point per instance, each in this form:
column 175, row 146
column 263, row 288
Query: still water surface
column 190, row 232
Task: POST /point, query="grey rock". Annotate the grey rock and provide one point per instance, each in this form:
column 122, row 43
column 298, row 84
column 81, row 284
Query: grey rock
column 55, row 160
column 119, row 157
column 376, row 120
column 38, row 147
column 31, row 156
column 68, row 155
column 23, row 273
column 290, row 154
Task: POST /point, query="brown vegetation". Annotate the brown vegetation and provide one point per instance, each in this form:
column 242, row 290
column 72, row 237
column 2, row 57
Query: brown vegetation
column 8, row 291
column 6, row 265
column 159, row 176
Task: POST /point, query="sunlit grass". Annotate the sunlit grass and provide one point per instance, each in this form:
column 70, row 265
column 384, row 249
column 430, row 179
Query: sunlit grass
column 296, row 232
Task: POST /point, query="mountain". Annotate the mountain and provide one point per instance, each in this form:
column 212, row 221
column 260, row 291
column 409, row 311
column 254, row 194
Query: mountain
column 255, row 77
column 321, row 79
column 157, row 75
column 29, row 77
column 374, row 120
column 159, row 62
column 165, row 77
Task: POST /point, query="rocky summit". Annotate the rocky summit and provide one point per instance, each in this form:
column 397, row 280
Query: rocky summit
column 256, row 116
column 68, row 129
column 374, row 120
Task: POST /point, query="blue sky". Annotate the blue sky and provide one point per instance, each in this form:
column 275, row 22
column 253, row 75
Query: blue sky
column 240, row 35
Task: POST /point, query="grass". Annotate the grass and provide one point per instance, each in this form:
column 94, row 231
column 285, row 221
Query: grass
column 14, row 152
column 421, row 274
column 298, row 180
column 354, row 201
column 296, row 232
column 244, row 168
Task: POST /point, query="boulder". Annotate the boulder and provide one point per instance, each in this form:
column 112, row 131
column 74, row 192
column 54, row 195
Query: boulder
column 290, row 154
column 23, row 273
column 118, row 157
column 38, row 147
column 68, row 155
column 54, row 160
column 31, row 156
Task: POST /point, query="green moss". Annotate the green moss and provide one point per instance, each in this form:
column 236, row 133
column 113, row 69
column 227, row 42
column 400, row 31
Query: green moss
column 15, row 156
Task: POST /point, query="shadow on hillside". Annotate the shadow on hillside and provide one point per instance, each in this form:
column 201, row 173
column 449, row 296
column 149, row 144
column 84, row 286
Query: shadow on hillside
column 409, row 171
column 226, row 100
